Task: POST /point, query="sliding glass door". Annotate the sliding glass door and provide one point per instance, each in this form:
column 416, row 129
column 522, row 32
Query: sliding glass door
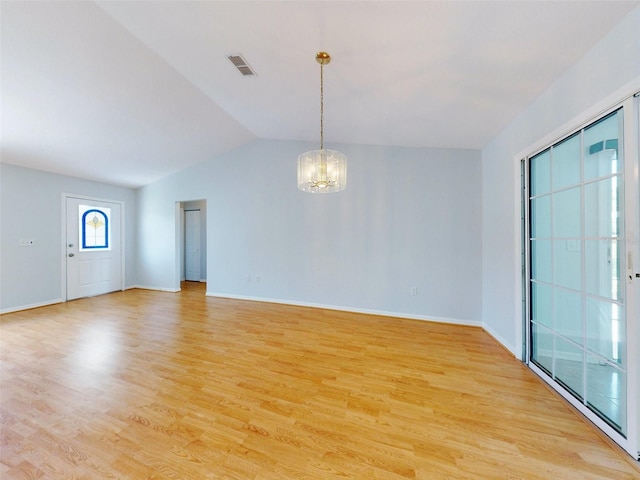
column 577, row 251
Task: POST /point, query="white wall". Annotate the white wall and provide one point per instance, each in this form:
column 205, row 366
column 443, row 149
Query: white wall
column 408, row 218
column 31, row 208
column 602, row 77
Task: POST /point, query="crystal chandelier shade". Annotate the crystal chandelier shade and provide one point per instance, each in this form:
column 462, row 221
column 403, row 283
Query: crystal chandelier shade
column 322, row 171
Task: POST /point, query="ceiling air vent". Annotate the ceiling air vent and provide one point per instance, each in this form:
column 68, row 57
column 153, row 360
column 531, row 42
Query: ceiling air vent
column 242, row 65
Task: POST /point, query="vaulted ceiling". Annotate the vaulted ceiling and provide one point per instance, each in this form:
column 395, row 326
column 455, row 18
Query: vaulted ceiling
column 127, row 92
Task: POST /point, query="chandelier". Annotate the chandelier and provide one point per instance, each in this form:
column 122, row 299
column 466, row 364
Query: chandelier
column 322, row 171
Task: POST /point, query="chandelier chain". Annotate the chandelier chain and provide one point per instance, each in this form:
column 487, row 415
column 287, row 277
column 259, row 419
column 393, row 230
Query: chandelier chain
column 321, row 106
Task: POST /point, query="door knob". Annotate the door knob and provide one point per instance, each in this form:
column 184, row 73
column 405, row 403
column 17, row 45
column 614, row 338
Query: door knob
column 71, row 254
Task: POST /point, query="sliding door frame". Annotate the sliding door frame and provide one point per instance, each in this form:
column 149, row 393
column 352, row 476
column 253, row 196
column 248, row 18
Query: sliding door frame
column 630, row 265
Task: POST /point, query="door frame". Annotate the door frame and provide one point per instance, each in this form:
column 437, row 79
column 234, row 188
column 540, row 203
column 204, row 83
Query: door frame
column 631, row 193
column 63, row 241
column 179, row 227
column 185, row 243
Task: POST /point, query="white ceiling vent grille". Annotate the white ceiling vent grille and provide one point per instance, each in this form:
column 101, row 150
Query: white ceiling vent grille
column 242, row 65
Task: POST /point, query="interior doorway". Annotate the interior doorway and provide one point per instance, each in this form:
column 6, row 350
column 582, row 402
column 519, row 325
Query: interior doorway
column 192, row 245
column 193, row 241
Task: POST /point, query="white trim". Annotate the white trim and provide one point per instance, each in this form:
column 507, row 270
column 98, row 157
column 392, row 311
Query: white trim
column 63, row 243
column 159, row 289
column 178, row 237
column 63, row 246
column 517, row 271
column 30, row 306
column 631, row 203
column 588, row 414
column 383, row 313
column 525, row 301
column 609, row 103
column 500, row 339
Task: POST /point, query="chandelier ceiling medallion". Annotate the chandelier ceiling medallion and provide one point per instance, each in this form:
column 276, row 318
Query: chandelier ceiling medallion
column 322, row 171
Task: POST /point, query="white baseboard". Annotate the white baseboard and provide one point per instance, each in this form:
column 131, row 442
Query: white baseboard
column 159, row 289
column 29, row 307
column 500, row 339
column 383, row 313
column 410, row 316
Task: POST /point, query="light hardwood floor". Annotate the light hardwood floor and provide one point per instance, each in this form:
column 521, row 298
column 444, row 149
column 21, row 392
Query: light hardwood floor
column 151, row 385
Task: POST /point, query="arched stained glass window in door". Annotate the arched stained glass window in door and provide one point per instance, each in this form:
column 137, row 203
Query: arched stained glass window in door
column 94, row 227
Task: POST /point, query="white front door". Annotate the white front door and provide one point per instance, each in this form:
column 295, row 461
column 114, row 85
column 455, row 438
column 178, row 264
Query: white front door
column 93, row 247
column 192, row 245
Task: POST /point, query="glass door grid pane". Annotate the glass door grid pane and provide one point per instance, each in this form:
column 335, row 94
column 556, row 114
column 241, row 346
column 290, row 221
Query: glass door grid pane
column 578, row 334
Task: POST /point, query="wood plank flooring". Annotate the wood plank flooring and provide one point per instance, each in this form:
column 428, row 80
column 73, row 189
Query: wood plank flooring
column 152, row 385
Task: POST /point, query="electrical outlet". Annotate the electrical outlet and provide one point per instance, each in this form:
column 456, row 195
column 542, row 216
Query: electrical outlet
column 414, row 291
